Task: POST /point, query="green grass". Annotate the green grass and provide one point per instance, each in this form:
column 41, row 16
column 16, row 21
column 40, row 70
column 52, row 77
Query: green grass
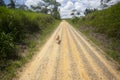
column 105, row 21
column 21, row 29
column 103, row 28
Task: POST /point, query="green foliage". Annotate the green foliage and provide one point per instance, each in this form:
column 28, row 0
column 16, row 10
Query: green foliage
column 106, row 21
column 15, row 25
column 12, row 4
column 6, row 45
column 103, row 27
column 2, row 3
column 53, row 11
column 44, row 8
column 88, row 11
column 19, row 28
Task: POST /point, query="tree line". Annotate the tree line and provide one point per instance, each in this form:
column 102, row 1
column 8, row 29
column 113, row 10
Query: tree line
column 49, row 7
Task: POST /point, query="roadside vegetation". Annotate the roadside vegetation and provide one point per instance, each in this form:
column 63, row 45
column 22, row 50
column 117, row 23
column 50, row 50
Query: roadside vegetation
column 103, row 28
column 21, row 32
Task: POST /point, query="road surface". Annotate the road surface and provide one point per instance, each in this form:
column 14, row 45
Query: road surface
column 74, row 58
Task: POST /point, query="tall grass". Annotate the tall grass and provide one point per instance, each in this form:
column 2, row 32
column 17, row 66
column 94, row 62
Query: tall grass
column 20, row 29
column 16, row 24
column 106, row 21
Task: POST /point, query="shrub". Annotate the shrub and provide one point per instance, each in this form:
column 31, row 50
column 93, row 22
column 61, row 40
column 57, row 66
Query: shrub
column 15, row 25
column 105, row 21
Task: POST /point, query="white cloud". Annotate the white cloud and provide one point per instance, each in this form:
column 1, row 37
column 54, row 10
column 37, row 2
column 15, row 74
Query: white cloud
column 94, row 3
column 113, row 2
column 32, row 2
column 69, row 5
column 60, row 1
column 80, row 5
column 65, row 13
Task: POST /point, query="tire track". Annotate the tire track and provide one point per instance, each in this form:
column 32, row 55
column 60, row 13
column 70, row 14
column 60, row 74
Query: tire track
column 80, row 65
column 89, row 69
column 73, row 59
column 45, row 62
column 96, row 70
column 64, row 72
column 33, row 68
column 75, row 73
column 57, row 59
column 52, row 64
column 95, row 59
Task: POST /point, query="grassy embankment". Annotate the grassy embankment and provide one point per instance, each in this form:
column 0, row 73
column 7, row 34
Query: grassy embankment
column 21, row 32
column 103, row 28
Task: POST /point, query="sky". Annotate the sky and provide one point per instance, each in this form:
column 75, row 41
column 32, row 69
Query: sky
column 68, row 5
column 80, row 5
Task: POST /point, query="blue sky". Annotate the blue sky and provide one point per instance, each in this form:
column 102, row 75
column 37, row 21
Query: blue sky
column 17, row 1
column 7, row 1
column 80, row 5
column 68, row 5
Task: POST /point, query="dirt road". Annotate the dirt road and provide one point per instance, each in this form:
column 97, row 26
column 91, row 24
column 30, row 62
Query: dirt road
column 73, row 59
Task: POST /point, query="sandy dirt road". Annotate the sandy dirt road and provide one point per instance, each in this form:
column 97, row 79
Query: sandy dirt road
column 73, row 59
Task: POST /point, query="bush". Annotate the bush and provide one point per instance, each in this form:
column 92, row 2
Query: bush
column 6, row 46
column 106, row 21
column 103, row 27
column 15, row 25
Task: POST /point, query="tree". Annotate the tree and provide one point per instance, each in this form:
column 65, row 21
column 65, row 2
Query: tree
column 73, row 13
column 53, row 8
column 78, row 13
column 12, row 4
column 55, row 13
column 36, row 7
column 40, row 8
column 2, row 3
column 87, row 11
column 23, row 7
column 44, row 10
column 50, row 6
column 103, row 3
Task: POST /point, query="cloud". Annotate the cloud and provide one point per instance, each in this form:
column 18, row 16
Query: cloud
column 33, row 2
column 113, row 2
column 61, row 1
column 65, row 13
column 80, row 5
column 69, row 5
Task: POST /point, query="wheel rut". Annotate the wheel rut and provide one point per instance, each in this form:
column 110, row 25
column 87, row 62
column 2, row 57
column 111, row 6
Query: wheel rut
column 68, row 55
